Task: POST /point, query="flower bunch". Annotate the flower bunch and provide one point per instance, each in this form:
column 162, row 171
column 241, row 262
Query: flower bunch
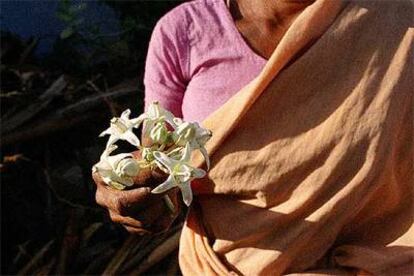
column 172, row 141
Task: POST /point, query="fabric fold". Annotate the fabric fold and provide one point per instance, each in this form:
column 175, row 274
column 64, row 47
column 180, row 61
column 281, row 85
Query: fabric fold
column 312, row 162
column 307, row 27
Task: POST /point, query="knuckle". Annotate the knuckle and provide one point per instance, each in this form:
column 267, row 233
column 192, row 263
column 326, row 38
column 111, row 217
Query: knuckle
column 146, row 191
column 96, row 178
column 99, row 198
column 130, row 229
column 119, row 204
column 114, row 217
column 136, row 231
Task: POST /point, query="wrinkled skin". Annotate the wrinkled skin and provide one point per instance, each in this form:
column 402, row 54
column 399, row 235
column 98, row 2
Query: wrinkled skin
column 139, row 211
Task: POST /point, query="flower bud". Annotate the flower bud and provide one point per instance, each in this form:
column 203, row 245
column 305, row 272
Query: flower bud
column 184, row 133
column 159, row 133
column 128, row 167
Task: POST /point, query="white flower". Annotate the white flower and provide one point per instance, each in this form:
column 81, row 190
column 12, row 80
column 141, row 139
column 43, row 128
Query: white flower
column 118, row 170
column 193, row 134
column 147, row 154
column 121, row 129
column 159, row 133
column 154, row 115
column 127, row 167
column 180, row 172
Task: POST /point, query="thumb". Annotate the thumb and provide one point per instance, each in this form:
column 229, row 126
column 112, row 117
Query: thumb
column 144, row 177
column 123, row 202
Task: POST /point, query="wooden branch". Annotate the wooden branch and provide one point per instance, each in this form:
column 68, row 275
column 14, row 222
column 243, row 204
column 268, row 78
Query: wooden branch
column 94, row 101
column 64, row 118
column 36, row 130
column 105, row 98
column 37, row 259
column 46, row 269
column 173, row 266
column 147, row 248
column 98, row 264
column 121, row 255
column 61, row 199
column 22, row 116
column 159, row 253
column 70, row 242
column 28, row 50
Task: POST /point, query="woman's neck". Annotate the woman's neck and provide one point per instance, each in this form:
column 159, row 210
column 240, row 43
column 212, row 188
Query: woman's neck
column 268, row 10
column 263, row 23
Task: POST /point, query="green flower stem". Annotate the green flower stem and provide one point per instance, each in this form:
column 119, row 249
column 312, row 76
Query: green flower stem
column 170, row 205
column 162, row 147
column 170, row 149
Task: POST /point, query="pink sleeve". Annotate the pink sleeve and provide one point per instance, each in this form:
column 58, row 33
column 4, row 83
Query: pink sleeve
column 166, row 68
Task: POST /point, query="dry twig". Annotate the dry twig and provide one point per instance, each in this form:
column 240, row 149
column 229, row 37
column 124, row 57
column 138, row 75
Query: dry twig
column 94, row 101
column 17, row 119
column 47, row 268
column 104, row 97
column 121, row 256
column 159, row 253
column 37, row 259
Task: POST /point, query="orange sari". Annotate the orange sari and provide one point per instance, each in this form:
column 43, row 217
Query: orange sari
column 312, row 162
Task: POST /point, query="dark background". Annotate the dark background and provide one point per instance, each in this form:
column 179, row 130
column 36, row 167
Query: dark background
column 67, row 67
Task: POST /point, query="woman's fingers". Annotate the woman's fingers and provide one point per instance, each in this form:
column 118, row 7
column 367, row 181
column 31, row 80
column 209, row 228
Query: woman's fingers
column 141, row 219
column 123, row 202
column 126, row 221
column 146, row 220
column 144, row 178
column 137, row 231
column 97, row 179
column 138, row 210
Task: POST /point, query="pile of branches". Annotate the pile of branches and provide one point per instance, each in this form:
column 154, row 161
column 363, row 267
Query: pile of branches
column 50, row 122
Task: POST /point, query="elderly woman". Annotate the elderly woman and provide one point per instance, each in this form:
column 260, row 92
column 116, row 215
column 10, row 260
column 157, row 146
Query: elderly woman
column 310, row 104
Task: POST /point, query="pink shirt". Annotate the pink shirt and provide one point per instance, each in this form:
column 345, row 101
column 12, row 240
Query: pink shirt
column 197, row 60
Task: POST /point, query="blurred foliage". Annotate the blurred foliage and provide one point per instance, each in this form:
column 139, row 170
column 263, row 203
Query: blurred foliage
column 116, row 55
column 138, row 19
column 69, row 13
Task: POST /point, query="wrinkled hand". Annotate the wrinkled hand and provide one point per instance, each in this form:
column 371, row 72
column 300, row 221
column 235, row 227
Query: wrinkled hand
column 138, row 210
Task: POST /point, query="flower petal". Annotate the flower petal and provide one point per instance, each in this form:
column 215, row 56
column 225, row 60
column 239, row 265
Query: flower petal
column 202, row 134
column 125, row 114
column 186, row 153
column 205, row 155
column 159, row 133
column 184, row 173
column 128, row 167
column 115, row 159
column 109, row 149
column 162, row 167
column 153, row 110
column 127, row 181
column 175, row 153
column 131, row 138
column 165, row 186
column 112, row 140
column 177, row 122
column 110, row 179
column 166, row 161
column 107, row 131
column 170, row 120
column 136, row 122
column 102, row 166
column 116, row 185
column 198, row 173
column 147, row 126
column 186, row 193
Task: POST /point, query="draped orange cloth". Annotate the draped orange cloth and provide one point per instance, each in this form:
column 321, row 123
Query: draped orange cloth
column 312, row 162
